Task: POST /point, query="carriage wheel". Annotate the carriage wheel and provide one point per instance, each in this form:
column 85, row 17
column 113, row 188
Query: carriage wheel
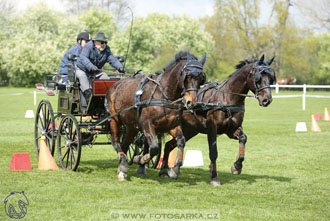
column 45, row 126
column 69, row 143
column 130, row 154
column 137, row 148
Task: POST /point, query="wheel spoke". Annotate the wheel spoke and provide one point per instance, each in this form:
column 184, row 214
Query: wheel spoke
column 62, row 146
column 39, row 127
column 70, row 129
column 66, row 132
column 71, row 158
column 64, row 138
column 44, row 115
column 67, row 157
column 37, row 138
column 41, row 122
column 66, row 152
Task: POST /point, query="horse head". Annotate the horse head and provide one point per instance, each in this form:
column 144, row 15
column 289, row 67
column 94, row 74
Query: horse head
column 192, row 77
column 262, row 76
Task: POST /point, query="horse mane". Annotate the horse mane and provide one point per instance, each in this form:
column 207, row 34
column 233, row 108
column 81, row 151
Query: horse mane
column 182, row 55
column 242, row 64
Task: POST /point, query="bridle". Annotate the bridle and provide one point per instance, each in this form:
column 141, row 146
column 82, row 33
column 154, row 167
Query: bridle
column 195, row 69
column 256, row 73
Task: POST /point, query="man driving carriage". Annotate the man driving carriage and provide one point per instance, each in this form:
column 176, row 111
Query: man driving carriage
column 82, row 39
column 91, row 60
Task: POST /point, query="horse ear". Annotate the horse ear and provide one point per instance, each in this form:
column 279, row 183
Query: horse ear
column 269, row 62
column 203, row 59
column 189, row 56
column 261, row 60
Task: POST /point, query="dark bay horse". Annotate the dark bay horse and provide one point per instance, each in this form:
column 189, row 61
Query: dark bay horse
column 223, row 112
column 152, row 101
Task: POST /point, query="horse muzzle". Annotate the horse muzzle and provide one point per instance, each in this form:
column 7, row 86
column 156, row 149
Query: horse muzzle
column 265, row 101
column 190, row 99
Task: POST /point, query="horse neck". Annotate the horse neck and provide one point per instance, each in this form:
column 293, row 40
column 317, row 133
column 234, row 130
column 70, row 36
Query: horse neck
column 171, row 81
column 235, row 85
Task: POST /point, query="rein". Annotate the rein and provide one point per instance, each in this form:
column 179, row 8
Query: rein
column 239, row 94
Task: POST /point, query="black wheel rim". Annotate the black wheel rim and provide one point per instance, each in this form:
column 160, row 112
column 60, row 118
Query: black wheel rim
column 45, row 126
column 69, row 143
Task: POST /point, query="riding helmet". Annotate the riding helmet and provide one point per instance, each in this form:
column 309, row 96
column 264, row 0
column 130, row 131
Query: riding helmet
column 84, row 36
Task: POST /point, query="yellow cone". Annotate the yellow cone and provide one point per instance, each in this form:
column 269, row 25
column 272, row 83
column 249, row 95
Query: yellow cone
column 314, row 125
column 46, row 160
column 326, row 115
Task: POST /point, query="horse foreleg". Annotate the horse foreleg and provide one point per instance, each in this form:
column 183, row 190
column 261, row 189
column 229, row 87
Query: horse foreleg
column 169, row 146
column 115, row 140
column 213, row 155
column 238, row 165
column 150, row 134
column 181, row 141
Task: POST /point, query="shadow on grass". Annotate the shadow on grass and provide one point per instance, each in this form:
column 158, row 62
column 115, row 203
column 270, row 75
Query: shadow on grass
column 188, row 176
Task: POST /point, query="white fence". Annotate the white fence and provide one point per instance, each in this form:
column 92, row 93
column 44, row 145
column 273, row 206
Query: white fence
column 303, row 95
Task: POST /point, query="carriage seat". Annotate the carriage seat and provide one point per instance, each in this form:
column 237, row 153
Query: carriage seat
column 100, row 87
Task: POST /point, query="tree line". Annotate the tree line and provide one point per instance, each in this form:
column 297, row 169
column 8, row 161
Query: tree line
column 32, row 44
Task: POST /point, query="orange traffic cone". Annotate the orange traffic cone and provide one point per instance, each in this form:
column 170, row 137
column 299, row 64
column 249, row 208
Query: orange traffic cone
column 314, row 125
column 172, row 158
column 46, row 160
column 326, row 116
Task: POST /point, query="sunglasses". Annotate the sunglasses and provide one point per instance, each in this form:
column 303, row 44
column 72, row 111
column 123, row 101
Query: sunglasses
column 103, row 42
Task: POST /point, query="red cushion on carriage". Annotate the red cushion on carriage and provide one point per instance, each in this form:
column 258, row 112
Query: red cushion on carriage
column 100, row 87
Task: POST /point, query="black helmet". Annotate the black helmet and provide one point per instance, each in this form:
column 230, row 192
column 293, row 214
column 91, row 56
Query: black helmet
column 84, row 36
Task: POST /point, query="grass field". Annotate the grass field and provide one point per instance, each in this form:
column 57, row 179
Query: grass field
column 285, row 174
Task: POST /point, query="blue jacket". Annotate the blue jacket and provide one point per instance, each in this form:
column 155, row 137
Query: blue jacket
column 76, row 49
column 90, row 57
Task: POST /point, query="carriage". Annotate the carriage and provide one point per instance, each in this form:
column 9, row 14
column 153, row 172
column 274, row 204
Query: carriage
column 77, row 123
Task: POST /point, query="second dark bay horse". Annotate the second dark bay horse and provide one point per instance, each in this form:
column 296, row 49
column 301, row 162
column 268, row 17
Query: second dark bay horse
column 221, row 111
column 151, row 105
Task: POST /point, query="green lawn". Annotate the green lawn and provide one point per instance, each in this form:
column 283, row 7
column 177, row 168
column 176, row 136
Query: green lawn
column 285, row 174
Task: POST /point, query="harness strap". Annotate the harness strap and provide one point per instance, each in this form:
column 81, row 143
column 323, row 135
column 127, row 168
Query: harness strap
column 220, row 106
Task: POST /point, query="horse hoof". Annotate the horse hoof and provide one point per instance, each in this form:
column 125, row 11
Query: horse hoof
column 141, row 170
column 215, row 182
column 163, row 173
column 172, row 174
column 235, row 171
column 136, row 159
column 122, row 176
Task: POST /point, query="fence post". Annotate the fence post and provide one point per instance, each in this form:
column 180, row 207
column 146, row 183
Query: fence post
column 34, row 98
column 304, row 98
column 276, row 88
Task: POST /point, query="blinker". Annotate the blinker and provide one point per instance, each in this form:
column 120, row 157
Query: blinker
column 194, row 71
column 194, row 67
